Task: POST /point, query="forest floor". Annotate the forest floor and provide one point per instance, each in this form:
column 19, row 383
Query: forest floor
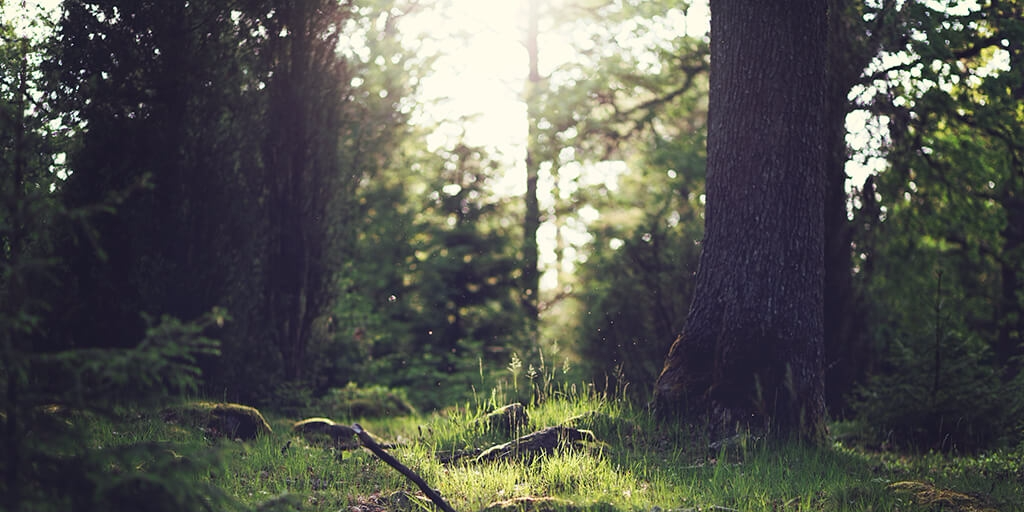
column 633, row 463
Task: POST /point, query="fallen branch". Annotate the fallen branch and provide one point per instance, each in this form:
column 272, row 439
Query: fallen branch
column 543, row 441
column 368, row 442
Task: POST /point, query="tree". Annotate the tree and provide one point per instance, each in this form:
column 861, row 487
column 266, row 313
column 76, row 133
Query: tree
column 531, row 219
column 251, row 125
column 161, row 94
column 51, row 400
column 462, row 280
column 305, row 173
column 943, row 220
column 750, row 353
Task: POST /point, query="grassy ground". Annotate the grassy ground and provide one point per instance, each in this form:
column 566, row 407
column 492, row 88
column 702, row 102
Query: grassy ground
column 636, row 463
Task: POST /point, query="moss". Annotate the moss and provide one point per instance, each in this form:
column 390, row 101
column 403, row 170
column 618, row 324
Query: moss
column 507, row 420
column 221, row 419
column 326, row 431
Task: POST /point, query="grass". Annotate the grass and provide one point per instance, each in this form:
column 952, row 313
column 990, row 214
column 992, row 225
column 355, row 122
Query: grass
column 637, row 464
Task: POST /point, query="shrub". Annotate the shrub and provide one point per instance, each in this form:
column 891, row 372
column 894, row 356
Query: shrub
column 959, row 404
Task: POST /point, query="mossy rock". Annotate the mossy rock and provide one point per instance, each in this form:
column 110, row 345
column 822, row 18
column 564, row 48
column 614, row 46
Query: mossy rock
column 326, row 431
column 235, row 421
column 937, row 498
column 508, row 419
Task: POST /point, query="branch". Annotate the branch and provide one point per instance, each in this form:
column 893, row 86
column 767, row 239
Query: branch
column 646, row 111
column 883, row 74
column 377, row 450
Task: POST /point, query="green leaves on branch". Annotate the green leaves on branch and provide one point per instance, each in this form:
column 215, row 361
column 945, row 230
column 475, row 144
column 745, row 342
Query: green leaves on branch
column 165, row 361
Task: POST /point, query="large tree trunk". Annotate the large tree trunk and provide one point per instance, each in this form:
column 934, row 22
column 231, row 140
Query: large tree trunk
column 750, row 354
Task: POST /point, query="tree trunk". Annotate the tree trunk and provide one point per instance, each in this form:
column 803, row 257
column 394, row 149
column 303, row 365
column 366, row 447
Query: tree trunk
column 750, row 354
column 531, row 222
column 302, row 160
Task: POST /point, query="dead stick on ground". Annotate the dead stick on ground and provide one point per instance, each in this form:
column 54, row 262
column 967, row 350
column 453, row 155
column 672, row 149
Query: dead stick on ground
column 372, row 445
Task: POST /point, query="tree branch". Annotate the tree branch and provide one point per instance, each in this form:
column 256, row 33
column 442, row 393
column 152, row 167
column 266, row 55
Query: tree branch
column 377, row 450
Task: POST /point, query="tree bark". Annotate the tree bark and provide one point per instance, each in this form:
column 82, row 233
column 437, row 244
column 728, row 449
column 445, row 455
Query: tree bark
column 750, row 353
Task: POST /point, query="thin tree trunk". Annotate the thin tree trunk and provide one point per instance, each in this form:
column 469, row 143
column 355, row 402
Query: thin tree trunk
column 531, row 222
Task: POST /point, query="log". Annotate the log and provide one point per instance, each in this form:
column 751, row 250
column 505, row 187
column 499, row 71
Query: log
column 544, row 441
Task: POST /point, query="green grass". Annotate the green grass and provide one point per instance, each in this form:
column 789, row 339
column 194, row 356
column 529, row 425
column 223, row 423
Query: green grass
column 638, row 464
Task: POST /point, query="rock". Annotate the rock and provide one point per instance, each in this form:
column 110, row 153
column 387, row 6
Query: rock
column 221, row 419
column 319, row 430
column 450, row 456
column 508, row 419
column 240, row 421
column 937, row 498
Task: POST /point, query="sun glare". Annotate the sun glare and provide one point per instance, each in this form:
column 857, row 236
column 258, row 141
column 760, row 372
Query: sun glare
column 473, row 94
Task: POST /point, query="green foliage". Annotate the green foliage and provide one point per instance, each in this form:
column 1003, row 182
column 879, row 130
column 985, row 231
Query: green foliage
column 254, row 126
column 430, row 296
column 636, row 282
column 636, row 289
column 55, row 399
column 942, row 222
column 617, row 138
column 959, row 405
column 50, row 403
column 464, row 289
column 55, row 403
column 164, row 361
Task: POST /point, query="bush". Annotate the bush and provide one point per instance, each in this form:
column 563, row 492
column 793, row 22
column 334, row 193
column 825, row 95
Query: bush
column 55, row 464
column 961, row 404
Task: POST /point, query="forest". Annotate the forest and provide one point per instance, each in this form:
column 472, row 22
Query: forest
column 804, row 226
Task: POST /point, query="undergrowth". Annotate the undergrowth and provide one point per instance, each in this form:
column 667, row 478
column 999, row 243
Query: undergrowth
column 636, row 463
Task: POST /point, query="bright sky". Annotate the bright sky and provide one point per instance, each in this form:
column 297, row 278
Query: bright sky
column 481, row 71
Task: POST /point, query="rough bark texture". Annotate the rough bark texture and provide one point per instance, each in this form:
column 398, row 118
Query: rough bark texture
column 750, row 354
